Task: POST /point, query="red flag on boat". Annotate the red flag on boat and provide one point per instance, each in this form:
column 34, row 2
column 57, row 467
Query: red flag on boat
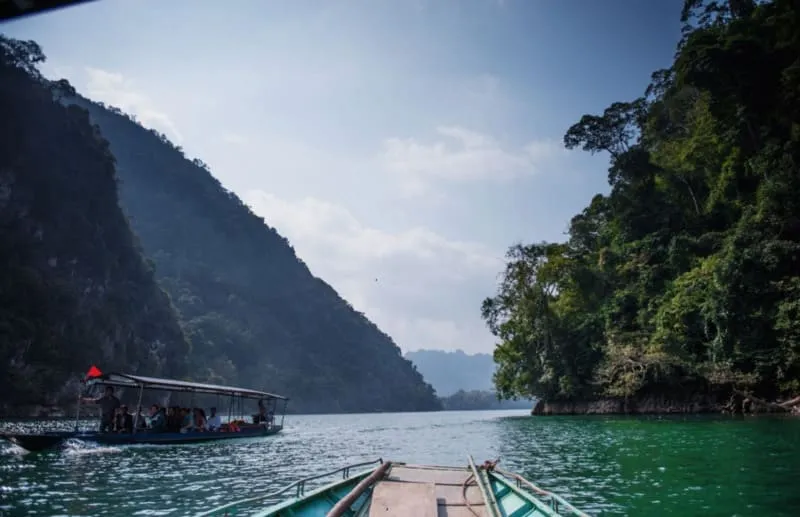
column 93, row 372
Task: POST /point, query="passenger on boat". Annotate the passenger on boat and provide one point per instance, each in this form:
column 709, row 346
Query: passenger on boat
column 108, row 406
column 173, row 419
column 262, row 413
column 124, row 421
column 117, row 425
column 139, row 420
column 187, row 421
column 158, row 421
column 214, row 421
column 199, row 419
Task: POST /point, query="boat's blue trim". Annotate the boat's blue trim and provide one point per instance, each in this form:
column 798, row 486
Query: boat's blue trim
column 543, row 500
column 172, row 438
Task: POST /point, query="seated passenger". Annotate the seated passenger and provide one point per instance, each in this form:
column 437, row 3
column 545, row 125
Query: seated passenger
column 199, row 419
column 262, row 413
column 125, row 420
column 214, row 421
column 118, row 420
column 187, row 421
column 139, row 420
column 157, row 421
column 170, row 419
column 173, row 419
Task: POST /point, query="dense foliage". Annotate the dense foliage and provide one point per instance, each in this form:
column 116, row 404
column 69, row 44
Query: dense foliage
column 253, row 312
column 450, row 372
column 74, row 288
column 687, row 275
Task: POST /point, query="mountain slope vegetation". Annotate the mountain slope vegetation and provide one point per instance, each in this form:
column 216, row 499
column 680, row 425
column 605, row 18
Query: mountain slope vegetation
column 74, row 286
column 252, row 310
column 470, row 400
column 685, row 279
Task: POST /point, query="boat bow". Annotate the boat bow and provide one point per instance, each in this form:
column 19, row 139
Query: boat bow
column 394, row 489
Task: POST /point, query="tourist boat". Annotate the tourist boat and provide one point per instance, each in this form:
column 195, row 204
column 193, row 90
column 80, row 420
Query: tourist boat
column 245, row 426
column 393, row 489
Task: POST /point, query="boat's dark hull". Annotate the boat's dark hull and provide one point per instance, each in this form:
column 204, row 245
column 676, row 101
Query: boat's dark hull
column 43, row 441
column 37, row 442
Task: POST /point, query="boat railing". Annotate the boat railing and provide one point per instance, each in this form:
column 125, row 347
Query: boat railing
column 299, row 485
column 556, row 502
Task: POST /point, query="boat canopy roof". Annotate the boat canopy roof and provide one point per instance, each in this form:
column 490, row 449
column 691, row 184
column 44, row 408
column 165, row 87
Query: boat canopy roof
column 125, row 380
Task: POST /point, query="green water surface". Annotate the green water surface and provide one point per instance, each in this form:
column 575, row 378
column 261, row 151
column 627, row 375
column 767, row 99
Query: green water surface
column 605, row 465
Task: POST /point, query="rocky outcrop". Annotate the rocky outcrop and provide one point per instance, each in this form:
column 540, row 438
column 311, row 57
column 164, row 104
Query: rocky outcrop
column 729, row 402
column 636, row 406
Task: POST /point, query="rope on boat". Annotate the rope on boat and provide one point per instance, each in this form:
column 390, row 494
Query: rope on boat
column 488, row 466
column 488, row 497
column 464, row 486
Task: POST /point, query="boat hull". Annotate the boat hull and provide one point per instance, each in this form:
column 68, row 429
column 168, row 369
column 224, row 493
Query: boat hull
column 37, row 442
column 45, row 441
column 405, row 490
column 395, row 489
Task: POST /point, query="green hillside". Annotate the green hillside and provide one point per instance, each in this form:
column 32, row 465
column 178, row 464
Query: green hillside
column 74, row 287
column 685, row 279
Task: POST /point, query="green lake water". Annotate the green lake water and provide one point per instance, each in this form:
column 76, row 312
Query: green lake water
column 604, row 465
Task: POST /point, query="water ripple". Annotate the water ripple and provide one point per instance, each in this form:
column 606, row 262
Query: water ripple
column 607, row 466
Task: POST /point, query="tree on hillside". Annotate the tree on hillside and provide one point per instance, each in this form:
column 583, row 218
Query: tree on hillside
column 687, row 274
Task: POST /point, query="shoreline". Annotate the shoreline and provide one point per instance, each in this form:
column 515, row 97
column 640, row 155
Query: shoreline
column 736, row 403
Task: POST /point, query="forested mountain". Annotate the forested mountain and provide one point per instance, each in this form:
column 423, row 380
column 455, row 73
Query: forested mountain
column 253, row 312
column 685, row 279
column 450, row 372
column 74, row 287
column 76, row 290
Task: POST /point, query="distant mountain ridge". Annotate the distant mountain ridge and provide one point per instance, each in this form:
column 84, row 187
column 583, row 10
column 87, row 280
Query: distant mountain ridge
column 450, row 372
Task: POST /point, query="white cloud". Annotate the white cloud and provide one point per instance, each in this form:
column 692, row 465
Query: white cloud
column 462, row 155
column 235, row 139
column 113, row 89
column 421, row 288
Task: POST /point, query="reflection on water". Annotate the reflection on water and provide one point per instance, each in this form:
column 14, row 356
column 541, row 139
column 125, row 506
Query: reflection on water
column 607, row 466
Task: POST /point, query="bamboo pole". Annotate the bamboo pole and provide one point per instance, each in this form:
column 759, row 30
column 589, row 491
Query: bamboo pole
column 347, row 501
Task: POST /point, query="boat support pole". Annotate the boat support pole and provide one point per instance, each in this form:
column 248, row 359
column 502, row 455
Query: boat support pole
column 347, row 501
column 78, row 409
column 138, row 409
column 488, row 496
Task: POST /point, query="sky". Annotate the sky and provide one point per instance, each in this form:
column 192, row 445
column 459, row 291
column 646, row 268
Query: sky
column 401, row 146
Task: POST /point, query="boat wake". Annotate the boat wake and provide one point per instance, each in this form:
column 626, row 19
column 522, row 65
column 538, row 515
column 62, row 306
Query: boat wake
column 9, row 449
column 74, row 446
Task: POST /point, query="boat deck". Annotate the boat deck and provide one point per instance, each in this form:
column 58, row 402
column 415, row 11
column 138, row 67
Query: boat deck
column 425, row 491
